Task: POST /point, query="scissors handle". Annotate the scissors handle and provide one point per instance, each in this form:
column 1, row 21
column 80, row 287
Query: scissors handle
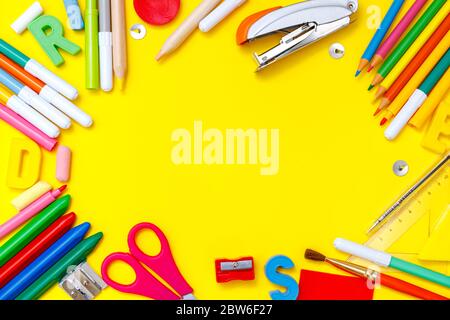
column 145, row 283
column 163, row 263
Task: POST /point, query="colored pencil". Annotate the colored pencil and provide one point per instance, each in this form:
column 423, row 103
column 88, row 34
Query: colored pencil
column 35, row 248
column 407, row 41
column 379, row 35
column 415, row 64
column 397, row 33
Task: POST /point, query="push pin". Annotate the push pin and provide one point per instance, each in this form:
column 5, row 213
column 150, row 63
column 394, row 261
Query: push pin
column 336, row 50
column 240, row 269
column 400, row 168
column 82, row 283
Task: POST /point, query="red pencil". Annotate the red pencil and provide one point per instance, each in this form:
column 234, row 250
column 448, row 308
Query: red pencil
column 35, row 248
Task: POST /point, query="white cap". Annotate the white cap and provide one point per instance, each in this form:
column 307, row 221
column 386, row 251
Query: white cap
column 379, row 257
column 27, row 17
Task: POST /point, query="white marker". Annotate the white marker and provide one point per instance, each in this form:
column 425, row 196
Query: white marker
column 22, row 22
column 32, row 116
column 43, row 107
column 408, row 110
column 219, row 13
column 66, row 106
column 105, row 45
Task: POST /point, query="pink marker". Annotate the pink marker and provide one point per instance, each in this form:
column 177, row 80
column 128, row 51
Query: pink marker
column 30, row 211
column 19, row 123
column 396, row 34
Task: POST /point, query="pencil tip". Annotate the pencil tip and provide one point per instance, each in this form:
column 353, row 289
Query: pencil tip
column 370, row 68
column 159, row 56
column 371, row 87
column 383, row 121
column 376, row 112
column 357, row 73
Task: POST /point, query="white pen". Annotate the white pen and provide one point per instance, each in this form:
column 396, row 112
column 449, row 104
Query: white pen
column 219, row 13
column 105, row 45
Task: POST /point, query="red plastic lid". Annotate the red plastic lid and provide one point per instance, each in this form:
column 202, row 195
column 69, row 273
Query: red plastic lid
column 157, row 12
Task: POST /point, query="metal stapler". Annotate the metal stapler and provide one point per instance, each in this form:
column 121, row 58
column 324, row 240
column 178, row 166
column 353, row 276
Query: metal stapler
column 301, row 23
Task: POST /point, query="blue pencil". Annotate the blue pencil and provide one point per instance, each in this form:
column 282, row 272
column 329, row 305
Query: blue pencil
column 44, row 262
column 379, row 35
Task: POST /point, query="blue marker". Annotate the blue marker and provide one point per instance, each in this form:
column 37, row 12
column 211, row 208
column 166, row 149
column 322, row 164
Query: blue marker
column 379, row 35
column 44, row 262
column 74, row 14
column 34, row 100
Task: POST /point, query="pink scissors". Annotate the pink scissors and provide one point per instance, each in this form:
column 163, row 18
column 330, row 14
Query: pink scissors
column 162, row 264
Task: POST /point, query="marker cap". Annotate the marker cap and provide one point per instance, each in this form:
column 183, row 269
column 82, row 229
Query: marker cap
column 355, row 249
column 34, row 11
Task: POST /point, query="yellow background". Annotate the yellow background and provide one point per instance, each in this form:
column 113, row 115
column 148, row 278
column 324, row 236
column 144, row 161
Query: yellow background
column 335, row 173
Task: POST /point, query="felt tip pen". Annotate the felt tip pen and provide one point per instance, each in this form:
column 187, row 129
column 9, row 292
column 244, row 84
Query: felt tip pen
column 39, row 71
column 33, row 228
column 91, row 53
column 418, row 97
column 49, row 94
column 26, row 128
column 28, row 113
column 105, row 46
column 36, row 247
column 34, row 100
column 386, row 260
column 30, row 211
column 54, row 275
column 44, row 262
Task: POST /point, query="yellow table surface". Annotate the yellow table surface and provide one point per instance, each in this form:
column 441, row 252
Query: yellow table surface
column 335, row 173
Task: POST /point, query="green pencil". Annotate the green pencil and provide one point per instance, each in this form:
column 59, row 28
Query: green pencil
column 58, row 271
column 407, row 41
column 33, row 228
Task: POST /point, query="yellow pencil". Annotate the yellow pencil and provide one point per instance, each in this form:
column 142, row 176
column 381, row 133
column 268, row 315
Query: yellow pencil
column 409, row 55
column 417, row 79
column 435, row 97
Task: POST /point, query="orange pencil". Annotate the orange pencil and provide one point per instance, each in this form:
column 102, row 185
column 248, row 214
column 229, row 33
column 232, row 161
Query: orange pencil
column 414, row 64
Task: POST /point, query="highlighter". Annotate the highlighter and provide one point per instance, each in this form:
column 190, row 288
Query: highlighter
column 92, row 57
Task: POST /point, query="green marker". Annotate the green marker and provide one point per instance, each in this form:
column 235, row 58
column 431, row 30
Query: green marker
column 54, row 275
column 409, row 39
column 92, row 58
column 33, row 228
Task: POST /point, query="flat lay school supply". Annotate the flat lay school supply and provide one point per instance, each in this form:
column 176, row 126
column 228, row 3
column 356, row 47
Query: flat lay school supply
column 74, row 14
column 430, row 105
column 34, row 100
column 439, row 129
column 386, row 260
column 326, row 286
column 56, row 273
column 82, row 283
column 30, row 211
column 30, row 195
column 309, row 20
column 63, row 163
column 24, row 168
column 379, row 35
column 375, row 277
column 410, row 192
column 397, row 33
column 239, row 269
column 162, row 264
column 105, row 45
column 50, row 95
column 91, row 51
column 22, row 22
column 28, row 113
column 33, row 228
column 36, row 247
column 38, row 70
column 414, row 64
column 418, row 97
column 23, row 126
column 44, row 262
column 407, row 41
column 188, row 26
column 416, row 79
column 218, row 14
column 119, row 30
column 157, row 12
